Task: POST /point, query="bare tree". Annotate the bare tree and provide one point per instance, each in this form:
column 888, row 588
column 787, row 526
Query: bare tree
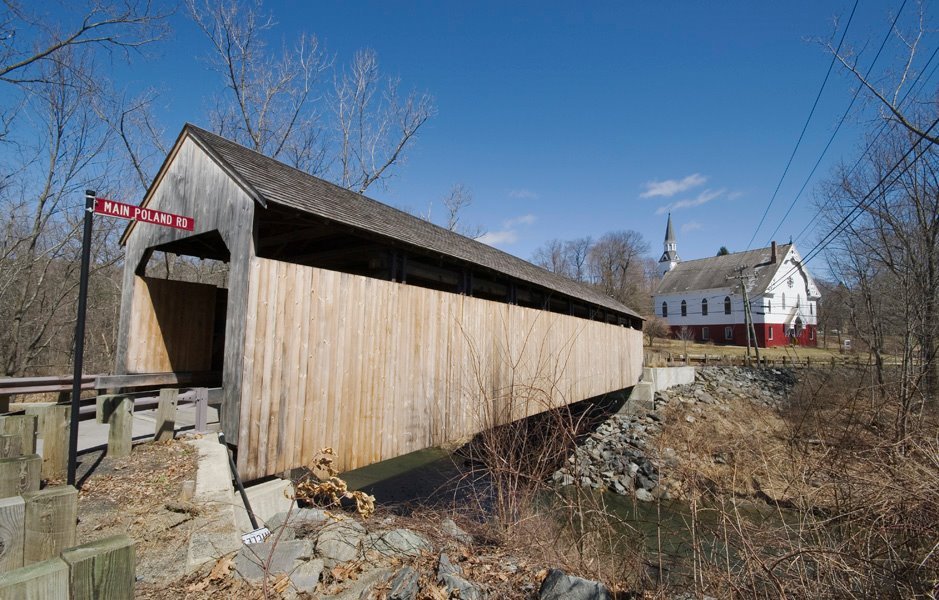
column 888, row 255
column 49, row 66
column 888, row 90
column 455, row 203
column 38, row 260
column 615, row 266
column 376, row 124
column 568, row 258
column 136, row 130
column 552, row 255
column 30, row 42
column 275, row 103
column 269, row 105
column 577, row 251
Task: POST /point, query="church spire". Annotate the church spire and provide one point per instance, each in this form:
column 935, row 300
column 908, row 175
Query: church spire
column 670, row 256
column 669, row 233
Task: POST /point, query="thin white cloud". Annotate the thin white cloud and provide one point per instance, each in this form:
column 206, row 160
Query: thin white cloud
column 702, row 198
column 495, row 238
column 670, row 187
column 691, row 226
column 509, row 232
column 523, row 194
column 522, row 220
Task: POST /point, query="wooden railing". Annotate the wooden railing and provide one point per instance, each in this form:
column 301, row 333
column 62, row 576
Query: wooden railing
column 676, row 359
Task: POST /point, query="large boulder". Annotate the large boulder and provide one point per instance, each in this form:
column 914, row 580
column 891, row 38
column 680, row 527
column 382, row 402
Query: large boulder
column 339, row 542
column 271, row 557
column 558, row 586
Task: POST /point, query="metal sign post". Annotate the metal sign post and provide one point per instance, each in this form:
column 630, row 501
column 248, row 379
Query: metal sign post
column 80, row 336
column 120, row 210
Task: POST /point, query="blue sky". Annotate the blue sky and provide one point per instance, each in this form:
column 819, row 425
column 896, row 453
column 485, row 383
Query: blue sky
column 573, row 119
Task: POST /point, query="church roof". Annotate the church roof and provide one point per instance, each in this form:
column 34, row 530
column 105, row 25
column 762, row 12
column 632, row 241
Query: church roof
column 719, row 271
column 669, row 232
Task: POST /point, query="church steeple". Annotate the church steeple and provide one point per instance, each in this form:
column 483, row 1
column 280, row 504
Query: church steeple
column 670, row 255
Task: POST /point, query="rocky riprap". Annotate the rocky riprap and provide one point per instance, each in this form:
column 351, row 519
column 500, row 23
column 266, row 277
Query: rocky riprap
column 313, row 553
column 618, row 455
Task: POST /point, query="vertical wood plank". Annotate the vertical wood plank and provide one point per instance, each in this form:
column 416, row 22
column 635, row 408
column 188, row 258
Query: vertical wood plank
column 246, row 427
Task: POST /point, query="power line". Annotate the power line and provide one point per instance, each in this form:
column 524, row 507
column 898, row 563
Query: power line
column 804, row 127
column 886, row 123
column 847, row 111
column 855, row 211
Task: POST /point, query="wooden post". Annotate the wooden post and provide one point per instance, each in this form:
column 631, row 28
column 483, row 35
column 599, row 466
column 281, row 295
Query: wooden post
column 53, row 428
column 118, row 412
column 12, row 524
column 19, row 475
column 102, row 569
column 51, row 517
column 166, row 415
column 47, row 579
column 10, row 445
column 24, row 427
column 202, row 410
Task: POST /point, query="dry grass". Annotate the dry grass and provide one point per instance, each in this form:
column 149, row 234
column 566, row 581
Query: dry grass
column 676, row 347
column 855, row 516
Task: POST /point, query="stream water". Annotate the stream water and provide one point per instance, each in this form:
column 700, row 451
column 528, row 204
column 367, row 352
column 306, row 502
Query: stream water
column 435, row 478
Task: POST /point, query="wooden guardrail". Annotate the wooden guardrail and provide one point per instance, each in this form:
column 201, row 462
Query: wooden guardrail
column 766, row 362
column 39, row 385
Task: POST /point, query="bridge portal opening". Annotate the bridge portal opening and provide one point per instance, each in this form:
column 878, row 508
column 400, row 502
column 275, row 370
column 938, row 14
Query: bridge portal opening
column 180, row 307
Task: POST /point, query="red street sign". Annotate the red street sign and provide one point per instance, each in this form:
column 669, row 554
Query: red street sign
column 103, row 206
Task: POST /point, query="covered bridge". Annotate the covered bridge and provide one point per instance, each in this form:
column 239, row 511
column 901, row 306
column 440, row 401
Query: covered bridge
column 350, row 324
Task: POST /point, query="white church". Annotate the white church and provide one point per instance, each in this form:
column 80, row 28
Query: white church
column 703, row 300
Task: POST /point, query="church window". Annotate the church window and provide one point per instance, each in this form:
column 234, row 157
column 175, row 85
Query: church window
column 665, row 309
column 684, row 308
column 769, row 306
column 704, row 307
column 769, row 331
column 705, row 334
column 726, row 305
column 783, row 300
column 728, row 332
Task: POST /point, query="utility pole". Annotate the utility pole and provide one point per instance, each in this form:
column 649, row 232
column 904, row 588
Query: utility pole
column 747, row 314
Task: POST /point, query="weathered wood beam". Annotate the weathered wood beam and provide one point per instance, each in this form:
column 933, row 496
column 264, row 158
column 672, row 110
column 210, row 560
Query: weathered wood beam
column 165, row 427
column 102, row 569
column 19, row 475
column 12, row 527
column 51, row 518
column 132, row 380
column 39, row 581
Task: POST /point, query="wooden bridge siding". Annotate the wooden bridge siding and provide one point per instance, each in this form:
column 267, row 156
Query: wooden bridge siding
column 376, row 369
column 172, row 328
column 192, row 184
